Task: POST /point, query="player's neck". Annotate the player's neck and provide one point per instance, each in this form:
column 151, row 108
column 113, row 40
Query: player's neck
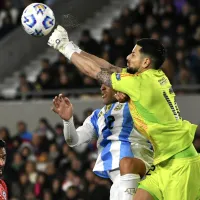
column 145, row 69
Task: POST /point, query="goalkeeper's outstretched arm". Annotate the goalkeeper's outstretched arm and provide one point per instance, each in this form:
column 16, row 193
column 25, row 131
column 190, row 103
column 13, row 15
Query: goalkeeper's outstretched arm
column 92, row 68
column 103, row 63
column 88, row 64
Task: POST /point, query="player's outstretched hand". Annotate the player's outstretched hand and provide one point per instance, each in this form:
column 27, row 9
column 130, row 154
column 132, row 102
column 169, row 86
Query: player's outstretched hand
column 58, row 39
column 121, row 97
column 63, row 107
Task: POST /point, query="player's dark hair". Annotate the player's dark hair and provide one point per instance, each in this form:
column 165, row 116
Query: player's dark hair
column 2, row 144
column 154, row 49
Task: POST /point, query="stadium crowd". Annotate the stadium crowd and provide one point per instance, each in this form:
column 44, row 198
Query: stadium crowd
column 41, row 166
column 175, row 23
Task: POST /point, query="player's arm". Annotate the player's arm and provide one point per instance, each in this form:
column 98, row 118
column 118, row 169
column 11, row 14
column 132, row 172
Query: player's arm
column 92, row 68
column 75, row 137
column 63, row 107
column 101, row 62
column 88, row 64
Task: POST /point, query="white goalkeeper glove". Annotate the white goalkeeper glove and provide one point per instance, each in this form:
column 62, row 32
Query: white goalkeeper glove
column 59, row 40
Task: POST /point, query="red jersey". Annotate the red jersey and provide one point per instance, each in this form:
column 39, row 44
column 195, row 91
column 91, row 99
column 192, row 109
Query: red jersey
column 3, row 190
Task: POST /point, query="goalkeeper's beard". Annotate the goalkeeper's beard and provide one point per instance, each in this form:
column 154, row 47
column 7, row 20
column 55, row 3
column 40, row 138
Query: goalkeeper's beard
column 131, row 70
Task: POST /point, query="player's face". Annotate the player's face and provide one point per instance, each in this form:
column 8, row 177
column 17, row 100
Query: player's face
column 135, row 61
column 107, row 94
column 2, row 159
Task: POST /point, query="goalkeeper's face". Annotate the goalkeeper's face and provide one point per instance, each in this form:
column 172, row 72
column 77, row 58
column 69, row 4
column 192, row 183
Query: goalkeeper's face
column 135, row 61
column 107, row 95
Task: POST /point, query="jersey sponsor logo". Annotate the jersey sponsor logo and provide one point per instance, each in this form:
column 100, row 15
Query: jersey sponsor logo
column 118, row 76
column 163, row 81
column 100, row 114
column 118, row 107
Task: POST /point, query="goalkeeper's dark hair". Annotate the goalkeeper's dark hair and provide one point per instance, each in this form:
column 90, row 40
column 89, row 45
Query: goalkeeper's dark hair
column 154, row 49
column 2, row 144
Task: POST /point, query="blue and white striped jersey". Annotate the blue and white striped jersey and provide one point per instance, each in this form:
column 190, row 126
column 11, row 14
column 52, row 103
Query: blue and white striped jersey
column 114, row 128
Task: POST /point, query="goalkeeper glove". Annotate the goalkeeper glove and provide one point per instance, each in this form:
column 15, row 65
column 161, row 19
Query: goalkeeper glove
column 59, row 40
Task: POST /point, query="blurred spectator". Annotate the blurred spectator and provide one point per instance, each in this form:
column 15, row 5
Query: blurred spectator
column 9, row 11
column 126, row 17
column 60, row 140
column 88, row 43
column 95, row 191
column 24, row 87
column 26, row 150
column 44, row 81
column 64, row 82
column 30, row 169
column 45, row 129
column 5, row 135
column 116, row 29
column 22, row 187
column 37, row 144
column 120, row 62
column 56, row 189
column 61, row 61
column 53, row 152
column 23, row 133
column 41, row 185
column 184, row 77
column 87, row 112
column 106, row 42
column 72, row 193
column 169, row 69
column 7, row 26
column 89, row 82
column 45, row 64
column 194, row 63
column 15, row 168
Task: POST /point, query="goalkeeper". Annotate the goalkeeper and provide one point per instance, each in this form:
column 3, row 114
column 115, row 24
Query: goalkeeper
column 154, row 111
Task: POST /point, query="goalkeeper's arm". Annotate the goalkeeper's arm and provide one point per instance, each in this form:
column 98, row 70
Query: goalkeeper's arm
column 101, row 62
column 75, row 137
column 89, row 64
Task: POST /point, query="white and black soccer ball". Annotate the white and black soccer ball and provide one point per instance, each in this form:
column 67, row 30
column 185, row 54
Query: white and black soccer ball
column 38, row 19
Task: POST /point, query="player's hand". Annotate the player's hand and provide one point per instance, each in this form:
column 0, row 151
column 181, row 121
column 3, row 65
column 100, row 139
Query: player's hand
column 121, row 97
column 59, row 39
column 63, row 107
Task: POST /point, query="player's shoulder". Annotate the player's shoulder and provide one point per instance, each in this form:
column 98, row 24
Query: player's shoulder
column 3, row 190
column 96, row 111
column 3, row 183
column 95, row 114
column 153, row 72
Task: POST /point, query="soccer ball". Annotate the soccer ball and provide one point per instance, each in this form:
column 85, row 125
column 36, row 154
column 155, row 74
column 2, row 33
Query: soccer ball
column 38, row 19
